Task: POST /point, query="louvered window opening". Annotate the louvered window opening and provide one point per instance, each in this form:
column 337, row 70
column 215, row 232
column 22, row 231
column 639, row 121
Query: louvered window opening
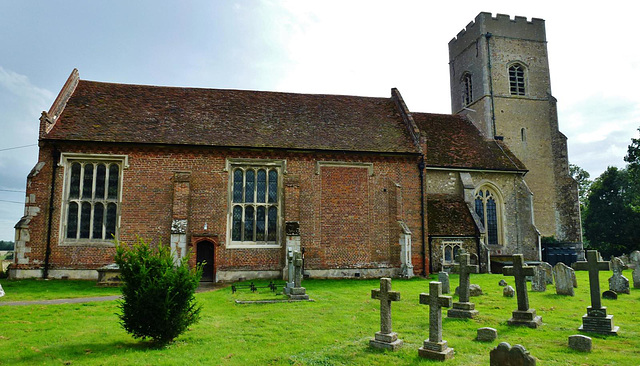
column 516, row 80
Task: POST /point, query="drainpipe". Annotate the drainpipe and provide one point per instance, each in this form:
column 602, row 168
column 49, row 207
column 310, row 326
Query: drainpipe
column 488, row 35
column 421, row 166
column 55, row 157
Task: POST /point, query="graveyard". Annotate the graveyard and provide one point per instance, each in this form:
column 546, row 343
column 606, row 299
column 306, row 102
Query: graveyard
column 335, row 328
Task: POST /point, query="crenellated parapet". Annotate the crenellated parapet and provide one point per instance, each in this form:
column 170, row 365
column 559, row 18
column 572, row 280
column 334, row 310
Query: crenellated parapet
column 500, row 25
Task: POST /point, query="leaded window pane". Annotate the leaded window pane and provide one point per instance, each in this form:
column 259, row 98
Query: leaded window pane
column 114, row 172
column 98, row 216
column 272, row 225
column 273, row 186
column 237, row 185
column 74, row 184
column 72, row 221
column 260, row 223
column 110, row 226
column 261, row 187
column 492, row 221
column 250, row 185
column 236, row 231
column 249, row 219
column 448, row 254
column 101, row 172
column 85, row 220
column 87, row 182
column 480, row 208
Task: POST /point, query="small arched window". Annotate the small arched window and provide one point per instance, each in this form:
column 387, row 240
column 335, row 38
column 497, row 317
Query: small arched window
column 523, row 134
column 467, row 89
column 488, row 207
column 450, row 252
column 517, row 79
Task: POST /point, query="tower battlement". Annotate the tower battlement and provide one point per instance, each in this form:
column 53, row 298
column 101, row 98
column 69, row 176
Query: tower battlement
column 500, row 25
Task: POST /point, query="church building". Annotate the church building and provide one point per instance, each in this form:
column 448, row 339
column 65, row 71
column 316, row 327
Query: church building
column 361, row 185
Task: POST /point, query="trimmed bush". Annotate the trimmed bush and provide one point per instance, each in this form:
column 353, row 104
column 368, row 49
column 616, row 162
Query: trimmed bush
column 158, row 299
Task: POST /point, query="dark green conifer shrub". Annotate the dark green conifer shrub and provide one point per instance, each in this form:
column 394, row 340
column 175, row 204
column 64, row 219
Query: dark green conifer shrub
column 158, row 295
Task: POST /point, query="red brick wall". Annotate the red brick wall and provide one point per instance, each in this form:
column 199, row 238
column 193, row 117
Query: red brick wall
column 347, row 217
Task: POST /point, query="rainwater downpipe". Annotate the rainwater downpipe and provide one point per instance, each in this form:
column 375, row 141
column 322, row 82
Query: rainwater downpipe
column 56, row 156
column 488, row 35
column 421, row 166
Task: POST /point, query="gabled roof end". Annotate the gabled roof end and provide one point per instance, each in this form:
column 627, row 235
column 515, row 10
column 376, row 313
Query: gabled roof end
column 48, row 119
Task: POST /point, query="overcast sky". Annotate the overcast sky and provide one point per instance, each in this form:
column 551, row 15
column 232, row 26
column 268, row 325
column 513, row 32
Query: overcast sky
column 329, row 47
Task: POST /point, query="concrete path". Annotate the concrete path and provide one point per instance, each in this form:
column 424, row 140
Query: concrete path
column 204, row 287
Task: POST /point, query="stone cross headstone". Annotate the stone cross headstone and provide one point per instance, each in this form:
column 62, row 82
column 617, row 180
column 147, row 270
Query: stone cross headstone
column 505, row 355
column 434, row 347
column 297, row 292
column 596, row 320
column 385, row 338
column 463, row 308
column 564, row 276
column 618, row 282
column 290, row 272
column 443, row 277
column 524, row 315
column 539, row 281
column 548, row 271
column 634, row 262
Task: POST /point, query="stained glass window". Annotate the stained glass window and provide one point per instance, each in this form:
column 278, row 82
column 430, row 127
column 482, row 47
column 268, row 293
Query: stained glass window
column 487, row 208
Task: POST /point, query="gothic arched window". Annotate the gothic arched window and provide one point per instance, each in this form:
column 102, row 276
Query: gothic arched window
column 467, row 95
column 488, row 209
column 517, row 79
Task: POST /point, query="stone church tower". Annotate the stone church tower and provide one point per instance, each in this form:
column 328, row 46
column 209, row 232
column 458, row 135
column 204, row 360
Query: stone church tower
column 500, row 80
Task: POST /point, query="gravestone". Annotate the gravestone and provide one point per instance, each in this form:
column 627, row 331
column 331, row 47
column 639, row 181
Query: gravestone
column 539, row 281
column 502, row 283
column 443, row 277
column 474, row 290
column 548, row 272
column 386, row 338
column 1, row 291
column 434, row 347
column 505, row 355
column 564, row 276
column 580, row 342
column 508, row 291
column 297, row 292
column 634, row 262
column 290, row 272
column 487, row 334
column 611, row 295
column 618, row 282
column 596, row 320
column 464, row 308
column 524, row 315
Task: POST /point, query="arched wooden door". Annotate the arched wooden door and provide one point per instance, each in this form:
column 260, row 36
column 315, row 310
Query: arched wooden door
column 205, row 253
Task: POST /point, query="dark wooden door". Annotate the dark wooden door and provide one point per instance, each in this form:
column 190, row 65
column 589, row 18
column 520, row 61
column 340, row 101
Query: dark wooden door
column 204, row 253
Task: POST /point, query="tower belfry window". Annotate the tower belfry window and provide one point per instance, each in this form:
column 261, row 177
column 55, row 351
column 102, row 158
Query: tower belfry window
column 516, row 79
column 467, row 96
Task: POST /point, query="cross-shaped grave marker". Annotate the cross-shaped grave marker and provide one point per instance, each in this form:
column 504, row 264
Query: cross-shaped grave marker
column 596, row 320
column 435, row 348
column 297, row 292
column 463, row 308
column 385, row 338
column 524, row 315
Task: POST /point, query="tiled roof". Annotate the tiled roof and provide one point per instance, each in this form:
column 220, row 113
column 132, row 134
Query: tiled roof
column 449, row 215
column 109, row 112
column 454, row 142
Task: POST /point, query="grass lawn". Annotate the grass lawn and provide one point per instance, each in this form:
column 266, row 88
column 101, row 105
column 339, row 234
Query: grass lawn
column 333, row 330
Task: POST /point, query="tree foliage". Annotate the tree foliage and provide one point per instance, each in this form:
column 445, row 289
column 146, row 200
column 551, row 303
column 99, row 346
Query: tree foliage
column 611, row 219
column 584, row 183
column 158, row 299
column 6, row 245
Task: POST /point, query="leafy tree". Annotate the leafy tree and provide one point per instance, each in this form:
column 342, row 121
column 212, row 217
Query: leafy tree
column 158, row 299
column 633, row 167
column 6, row 245
column 582, row 177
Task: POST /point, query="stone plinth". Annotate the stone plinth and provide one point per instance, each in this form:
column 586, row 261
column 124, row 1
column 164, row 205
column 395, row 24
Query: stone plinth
column 388, row 341
column 462, row 310
column 298, row 293
column 597, row 321
column 435, row 350
column 525, row 317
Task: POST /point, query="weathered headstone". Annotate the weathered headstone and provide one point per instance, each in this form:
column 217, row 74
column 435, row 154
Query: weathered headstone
column 596, row 320
column 434, row 347
column 564, row 276
column 386, row 338
column 611, row 295
column 487, row 334
column 443, row 277
column 580, row 342
column 539, row 281
column 524, row 315
column 505, row 355
column 1, row 291
column 502, row 283
column 634, row 262
column 464, row 308
column 290, row 272
column 508, row 291
column 297, row 292
column 548, row 271
column 474, row 290
column 618, row 282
